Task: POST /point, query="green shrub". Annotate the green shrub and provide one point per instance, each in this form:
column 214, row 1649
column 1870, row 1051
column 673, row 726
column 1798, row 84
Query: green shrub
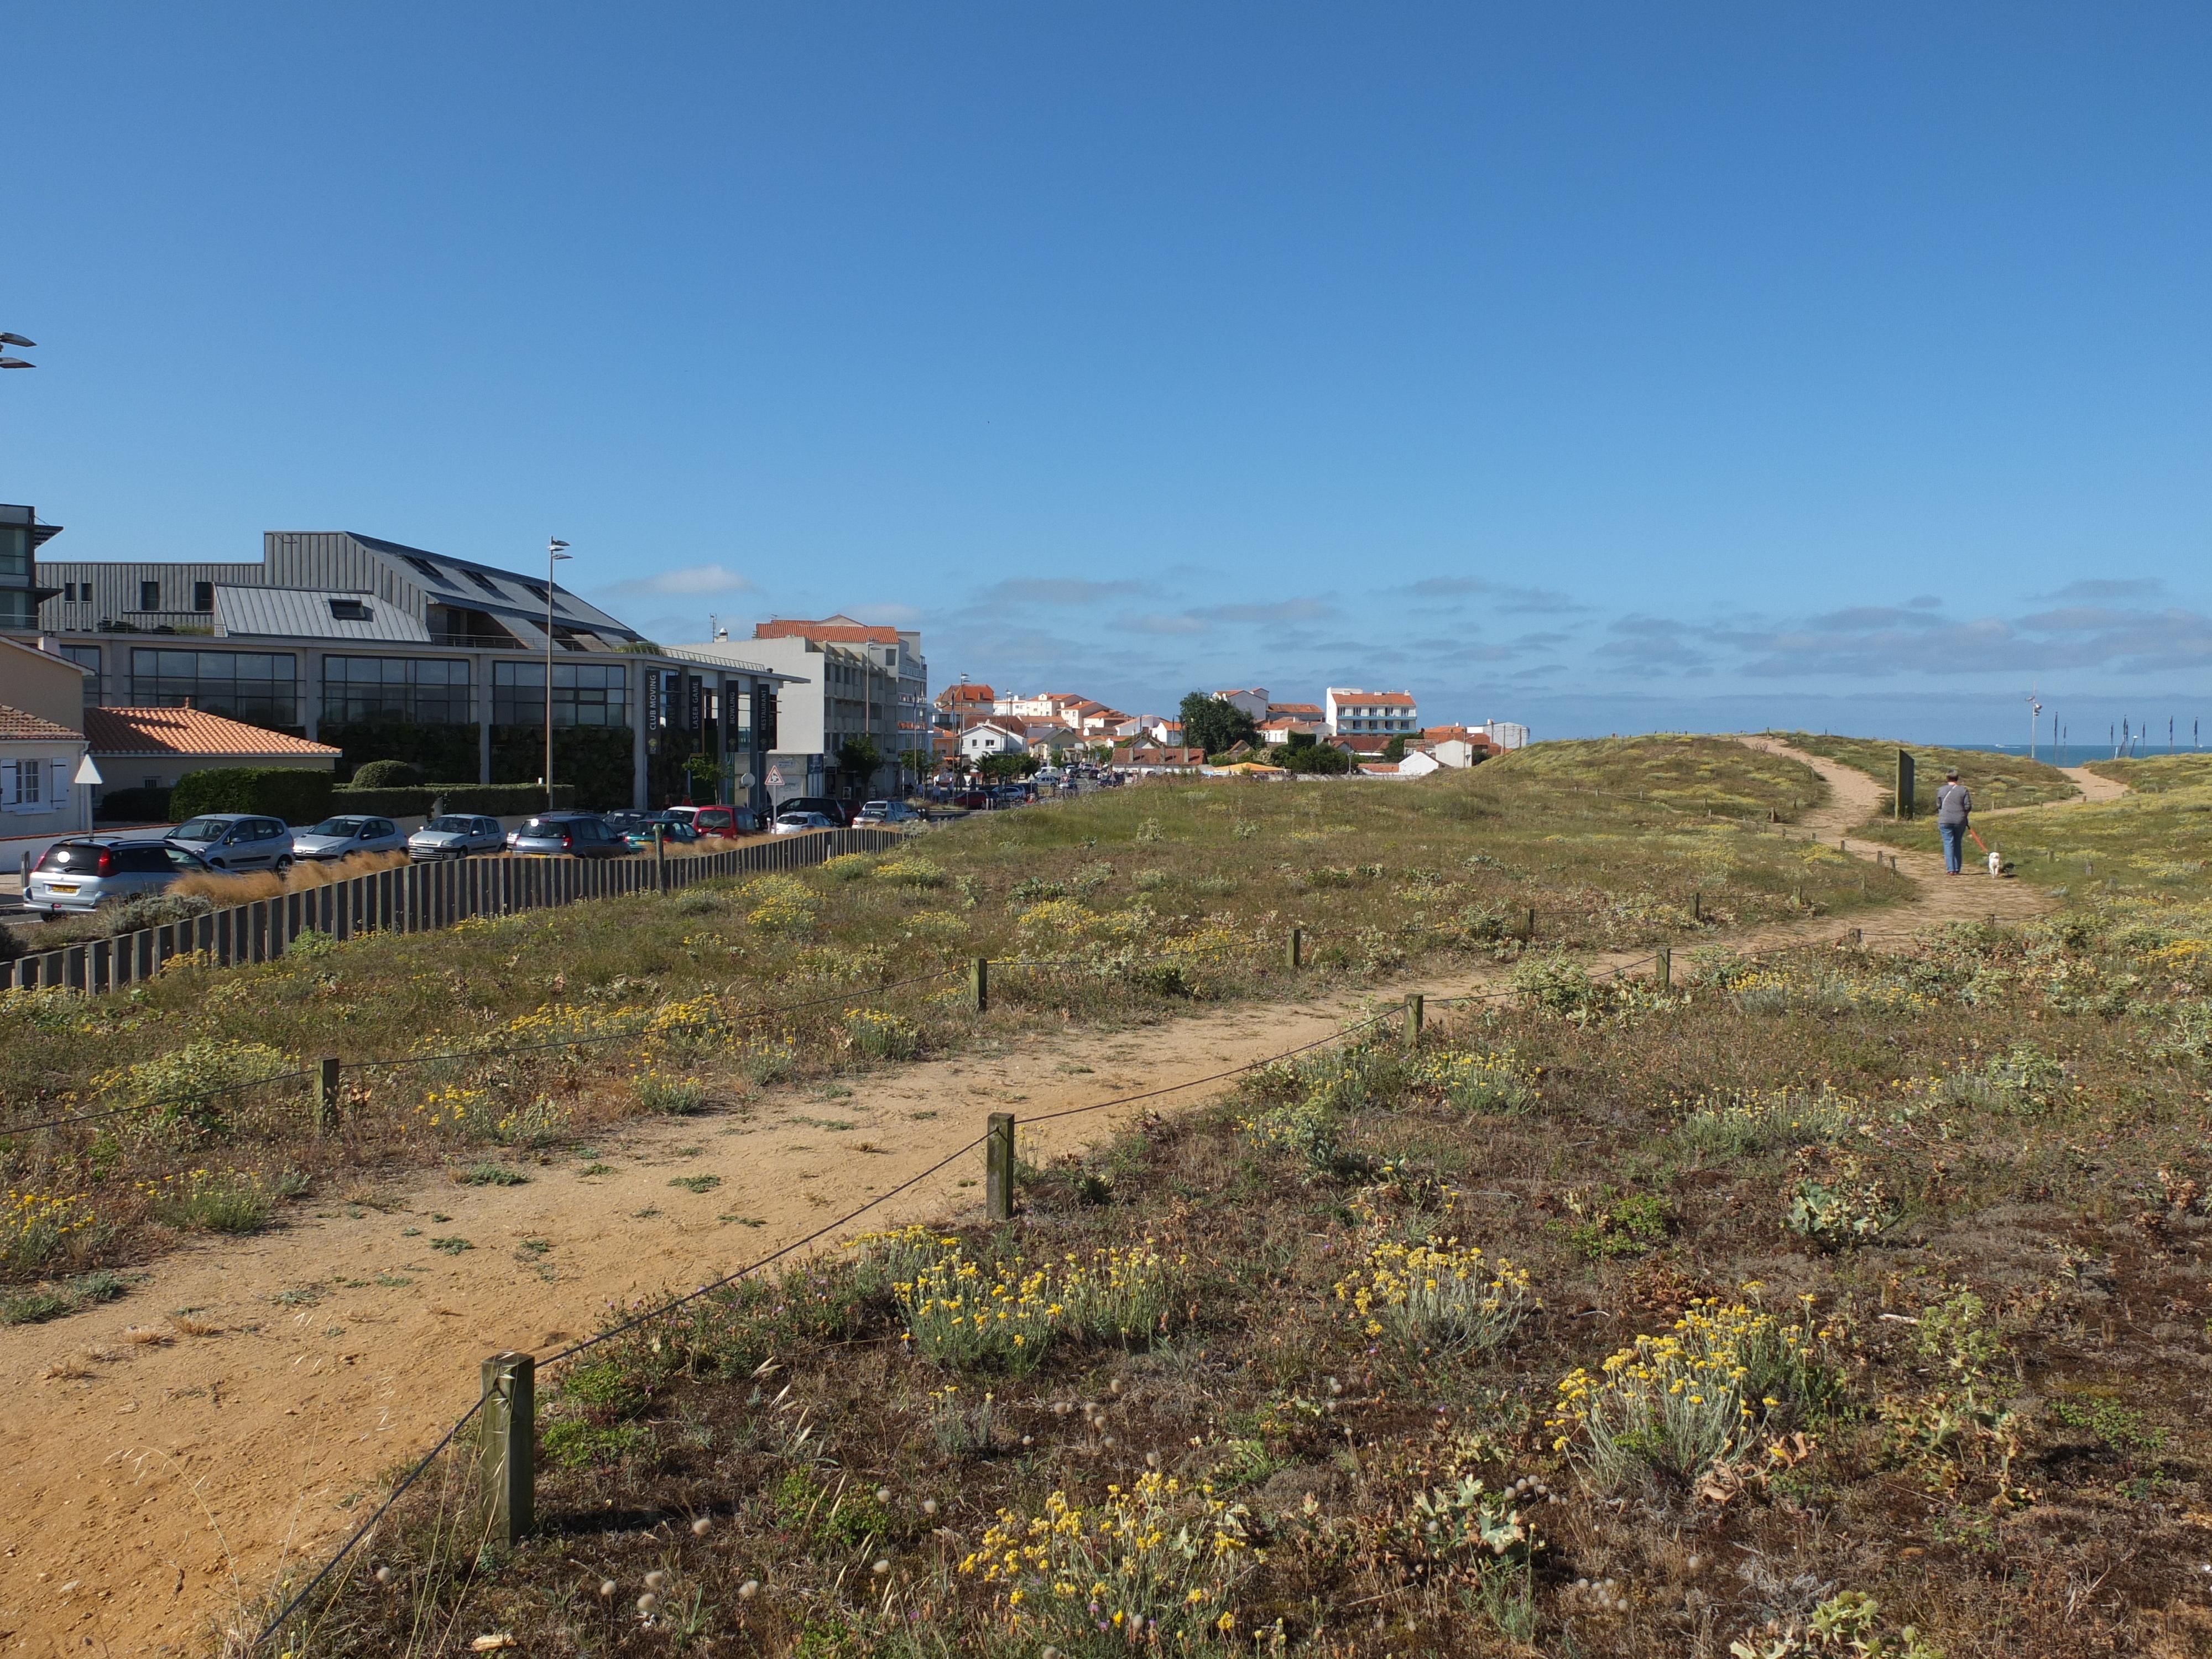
column 385, row 774
column 194, row 1092
column 1615, row 1223
column 134, row 806
column 295, row 794
column 494, row 800
column 573, row 1443
column 668, row 1093
column 910, row 871
column 220, row 1201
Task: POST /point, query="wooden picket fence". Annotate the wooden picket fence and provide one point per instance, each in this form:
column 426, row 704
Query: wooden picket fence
column 411, row 899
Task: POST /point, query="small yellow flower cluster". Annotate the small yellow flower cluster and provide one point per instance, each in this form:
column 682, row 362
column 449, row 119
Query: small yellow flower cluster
column 1686, row 1399
column 33, row 1226
column 1496, row 1081
column 700, row 1017
column 781, row 905
column 959, row 1312
column 1154, row 1566
column 881, row 1035
column 1436, row 1295
column 453, row 1107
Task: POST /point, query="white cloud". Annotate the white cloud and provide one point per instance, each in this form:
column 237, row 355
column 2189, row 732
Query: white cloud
column 690, row 581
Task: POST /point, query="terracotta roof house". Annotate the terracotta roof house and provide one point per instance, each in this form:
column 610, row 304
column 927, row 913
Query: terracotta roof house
column 152, row 748
column 830, row 630
column 38, row 792
column 1296, row 711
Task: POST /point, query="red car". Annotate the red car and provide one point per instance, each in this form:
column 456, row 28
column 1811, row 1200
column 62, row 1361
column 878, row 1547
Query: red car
column 716, row 820
column 974, row 800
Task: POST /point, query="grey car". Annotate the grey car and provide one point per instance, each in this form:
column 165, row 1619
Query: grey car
column 232, row 842
column 342, row 837
column 567, row 834
column 85, row 874
column 455, row 835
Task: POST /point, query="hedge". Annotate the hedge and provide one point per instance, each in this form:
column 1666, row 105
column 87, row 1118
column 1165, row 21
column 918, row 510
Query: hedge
column 297, row 795
column 134, row 806
column 493, row 800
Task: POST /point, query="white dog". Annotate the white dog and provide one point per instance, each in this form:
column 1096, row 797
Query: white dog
column 1996, row 864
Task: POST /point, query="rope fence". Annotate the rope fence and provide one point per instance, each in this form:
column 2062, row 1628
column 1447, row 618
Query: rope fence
column 507, row 1401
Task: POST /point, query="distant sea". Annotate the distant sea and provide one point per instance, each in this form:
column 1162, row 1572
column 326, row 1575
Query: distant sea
column 2076, row 754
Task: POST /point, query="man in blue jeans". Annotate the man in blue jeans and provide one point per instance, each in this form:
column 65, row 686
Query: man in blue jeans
column 1953, row 806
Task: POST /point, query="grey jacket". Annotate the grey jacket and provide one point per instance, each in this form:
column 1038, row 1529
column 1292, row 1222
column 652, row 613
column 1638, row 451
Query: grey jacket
column 1953, row 804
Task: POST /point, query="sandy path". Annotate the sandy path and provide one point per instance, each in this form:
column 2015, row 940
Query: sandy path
column 1974, row 895
column 2094, row 787
column 152, row 1488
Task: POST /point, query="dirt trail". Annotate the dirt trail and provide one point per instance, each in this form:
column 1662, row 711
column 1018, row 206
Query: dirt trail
column 150, row 1488
column 1974, row 895
column 2094, row 787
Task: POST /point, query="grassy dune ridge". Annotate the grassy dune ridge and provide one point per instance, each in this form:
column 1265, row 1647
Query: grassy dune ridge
column 1995, row 779
column 1131, row 904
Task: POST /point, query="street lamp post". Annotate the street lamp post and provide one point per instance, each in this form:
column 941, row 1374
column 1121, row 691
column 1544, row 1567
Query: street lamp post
column 553, row 556
column 16, row 362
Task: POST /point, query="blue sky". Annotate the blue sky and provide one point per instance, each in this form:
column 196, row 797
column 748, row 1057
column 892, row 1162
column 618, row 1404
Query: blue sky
column 1607, row 366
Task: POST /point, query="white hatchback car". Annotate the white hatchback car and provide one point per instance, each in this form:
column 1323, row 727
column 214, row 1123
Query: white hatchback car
column 344, row 836
column 797, row 823
column 455, row 836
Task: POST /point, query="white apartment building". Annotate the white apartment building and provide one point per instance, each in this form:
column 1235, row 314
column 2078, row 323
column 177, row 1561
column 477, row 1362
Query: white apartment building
column 1506, row 734
column 1350, row 712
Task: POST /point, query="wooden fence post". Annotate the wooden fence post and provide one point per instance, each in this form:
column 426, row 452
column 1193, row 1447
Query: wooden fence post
column 1662, row 968
column 1415, row 1006
column 1528, row 927
column 510, row 1447
column 326, row 1095
column 1697, row 906
column 1295, row 950
column 979, row 981
column 998, row 1167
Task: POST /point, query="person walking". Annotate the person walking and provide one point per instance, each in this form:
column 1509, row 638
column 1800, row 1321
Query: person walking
column 1954, row 805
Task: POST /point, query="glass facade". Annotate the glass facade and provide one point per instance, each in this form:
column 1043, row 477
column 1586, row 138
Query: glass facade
column 427, row 691
column 260, row 687
column 584, row 693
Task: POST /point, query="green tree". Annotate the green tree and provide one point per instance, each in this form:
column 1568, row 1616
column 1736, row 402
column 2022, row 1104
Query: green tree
column 1005, row 768
column 1394, row 751
column 1316, row 757
column 1213, row 726
column 859, row 759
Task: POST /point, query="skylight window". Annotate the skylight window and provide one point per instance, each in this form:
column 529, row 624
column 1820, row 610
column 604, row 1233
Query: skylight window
column 350, row 611
column 431, row 570
column 486, row 583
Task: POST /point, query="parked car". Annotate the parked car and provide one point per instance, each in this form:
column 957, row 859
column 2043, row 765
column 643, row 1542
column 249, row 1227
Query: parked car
column 833, row 811
column 87, row 873
column 342, row 837
column 971, row 801
column 231, row 842
column 886, row 812
column 797, row 823
column 455, row 836
column 724, row 820
column 567, row 834
column 637, row 827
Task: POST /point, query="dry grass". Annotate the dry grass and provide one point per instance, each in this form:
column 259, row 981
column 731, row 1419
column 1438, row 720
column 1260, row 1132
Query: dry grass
column 1995, row 779
column 1122, row 907
column 302, row 876
column 1995, row 1428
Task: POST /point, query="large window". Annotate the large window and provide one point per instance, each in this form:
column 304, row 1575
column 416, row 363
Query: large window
column 260, row 687
column 584, row 693
column 427, row 690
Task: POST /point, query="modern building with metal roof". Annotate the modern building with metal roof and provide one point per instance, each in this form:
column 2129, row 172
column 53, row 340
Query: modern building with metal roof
column 388, row 652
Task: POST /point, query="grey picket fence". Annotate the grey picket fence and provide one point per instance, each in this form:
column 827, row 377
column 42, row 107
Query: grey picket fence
column 411, row 899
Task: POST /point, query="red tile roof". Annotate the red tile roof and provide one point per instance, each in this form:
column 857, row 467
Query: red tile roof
column 836, row 633
column 15, row 723
column 189, row 732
